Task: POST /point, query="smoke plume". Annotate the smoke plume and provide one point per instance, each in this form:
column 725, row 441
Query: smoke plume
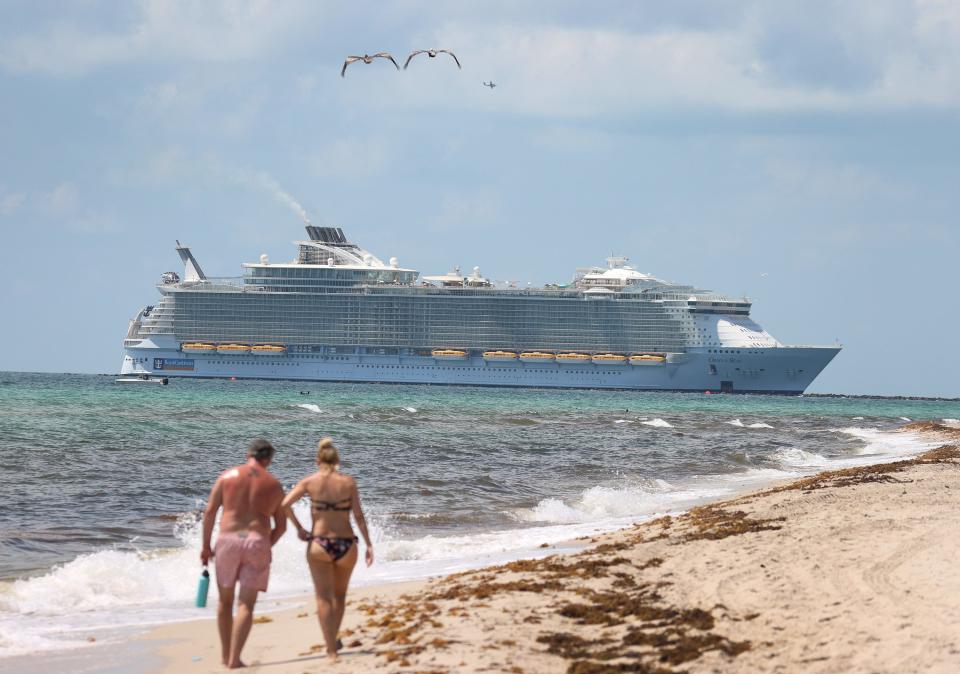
column 266, row 182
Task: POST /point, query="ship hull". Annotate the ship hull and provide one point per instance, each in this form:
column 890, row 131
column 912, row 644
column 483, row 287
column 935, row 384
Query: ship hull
column 780, row 370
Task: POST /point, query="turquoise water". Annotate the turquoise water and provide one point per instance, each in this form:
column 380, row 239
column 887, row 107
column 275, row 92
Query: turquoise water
column 102, row 479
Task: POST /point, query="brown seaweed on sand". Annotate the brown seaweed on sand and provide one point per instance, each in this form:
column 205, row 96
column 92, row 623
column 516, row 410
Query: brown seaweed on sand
column 713, row 522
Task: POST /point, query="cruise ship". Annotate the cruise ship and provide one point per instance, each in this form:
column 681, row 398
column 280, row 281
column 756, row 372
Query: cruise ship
column 339, row 313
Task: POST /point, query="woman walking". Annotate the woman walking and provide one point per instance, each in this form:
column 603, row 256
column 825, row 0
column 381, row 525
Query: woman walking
column 331, row 543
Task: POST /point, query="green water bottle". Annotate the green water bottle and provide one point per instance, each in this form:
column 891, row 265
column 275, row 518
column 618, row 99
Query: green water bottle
column 203, row 587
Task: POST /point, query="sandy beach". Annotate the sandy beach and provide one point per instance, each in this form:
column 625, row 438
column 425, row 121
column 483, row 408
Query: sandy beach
column 846, row 571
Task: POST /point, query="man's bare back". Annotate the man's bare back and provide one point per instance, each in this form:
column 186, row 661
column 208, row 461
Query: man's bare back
column 250, row 496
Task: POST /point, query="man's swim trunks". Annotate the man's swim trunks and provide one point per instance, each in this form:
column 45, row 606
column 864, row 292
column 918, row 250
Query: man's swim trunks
column 243, row 556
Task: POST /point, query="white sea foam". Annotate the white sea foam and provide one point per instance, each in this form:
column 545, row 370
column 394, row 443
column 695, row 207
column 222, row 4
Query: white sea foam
column 623, row 421
column 310, row 407
column 799, row 458
column 740, row 424
column 411, row 410
column 657, row 423
column 599, row 503
column 905, row 419
column 625, row 504
column 955, row 423
column 884, row 445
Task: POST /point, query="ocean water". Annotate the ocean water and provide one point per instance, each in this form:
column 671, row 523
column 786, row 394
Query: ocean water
column 103, row 483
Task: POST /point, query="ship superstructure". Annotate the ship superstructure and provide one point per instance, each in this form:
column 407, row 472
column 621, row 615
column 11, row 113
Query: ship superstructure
column 339, row 313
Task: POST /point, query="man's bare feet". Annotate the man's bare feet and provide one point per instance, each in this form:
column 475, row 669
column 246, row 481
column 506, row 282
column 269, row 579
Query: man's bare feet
column 236, row 665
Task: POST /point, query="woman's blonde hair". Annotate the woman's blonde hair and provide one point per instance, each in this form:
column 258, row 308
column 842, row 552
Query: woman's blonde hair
column 327, row 454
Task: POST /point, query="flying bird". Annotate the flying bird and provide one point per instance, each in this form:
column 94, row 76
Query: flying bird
column 432, row 53
column 367, row 58
column 490, row 84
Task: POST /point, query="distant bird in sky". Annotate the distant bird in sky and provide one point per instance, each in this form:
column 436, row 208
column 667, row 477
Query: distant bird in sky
column 490, row 84
column 367, row 58
column 432, row 53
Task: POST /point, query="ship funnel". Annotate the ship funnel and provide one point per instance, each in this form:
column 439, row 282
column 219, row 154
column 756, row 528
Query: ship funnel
column 329, row 235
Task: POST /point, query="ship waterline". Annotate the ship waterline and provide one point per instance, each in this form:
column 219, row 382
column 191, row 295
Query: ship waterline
column 337, row 313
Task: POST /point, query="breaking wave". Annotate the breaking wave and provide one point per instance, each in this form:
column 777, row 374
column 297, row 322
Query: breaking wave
column 740, row 424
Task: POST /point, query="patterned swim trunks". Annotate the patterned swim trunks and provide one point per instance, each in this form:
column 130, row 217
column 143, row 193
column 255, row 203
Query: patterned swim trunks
column 243, row 556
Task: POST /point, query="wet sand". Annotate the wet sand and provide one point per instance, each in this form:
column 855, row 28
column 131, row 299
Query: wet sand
column 846, row 571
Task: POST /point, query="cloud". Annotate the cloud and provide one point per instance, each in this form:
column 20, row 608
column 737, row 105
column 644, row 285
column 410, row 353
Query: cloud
column 216, row 31
column 350, row 158
column 824, row 44
column 95, row 224
column 62, row 199
column 10, row 202
column 158, row 98
column 832, row 181
column 574, row 139
column 466, row 211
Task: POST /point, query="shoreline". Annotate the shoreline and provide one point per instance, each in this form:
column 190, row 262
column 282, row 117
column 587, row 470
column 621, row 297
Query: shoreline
column 845, row 570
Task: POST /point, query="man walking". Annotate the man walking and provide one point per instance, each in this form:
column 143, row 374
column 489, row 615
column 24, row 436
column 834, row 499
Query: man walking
column 250, row 496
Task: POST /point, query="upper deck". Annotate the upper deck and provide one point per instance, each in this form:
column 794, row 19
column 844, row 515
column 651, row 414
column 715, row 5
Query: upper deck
column 329, row 264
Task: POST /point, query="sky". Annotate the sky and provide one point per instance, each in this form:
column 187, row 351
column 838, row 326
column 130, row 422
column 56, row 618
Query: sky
column 802, row 153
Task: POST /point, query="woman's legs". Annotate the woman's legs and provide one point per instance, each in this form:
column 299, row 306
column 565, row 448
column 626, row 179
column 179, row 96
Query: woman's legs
column 321, row 569
column 342, row 569
column 330, row 582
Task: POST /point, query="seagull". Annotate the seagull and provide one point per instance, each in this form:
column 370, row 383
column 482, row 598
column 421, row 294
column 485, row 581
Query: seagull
column 490, row 84
column 432, row 53
column 367, row 58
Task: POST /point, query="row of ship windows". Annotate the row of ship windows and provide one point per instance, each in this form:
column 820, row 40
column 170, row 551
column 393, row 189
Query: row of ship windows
column 384, row 307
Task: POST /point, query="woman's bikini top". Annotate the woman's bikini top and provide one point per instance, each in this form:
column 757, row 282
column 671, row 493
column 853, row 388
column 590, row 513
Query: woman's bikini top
column 337, row 506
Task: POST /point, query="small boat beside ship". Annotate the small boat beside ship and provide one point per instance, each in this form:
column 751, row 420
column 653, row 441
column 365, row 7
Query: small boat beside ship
column 648, row 359
column 268, row 350
column 198, row 348
column 448, row 354
column 499, row 356
column 233, row 349
column 573, row 358
column 609, row 359
column 142, row 379
column 537, row 357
